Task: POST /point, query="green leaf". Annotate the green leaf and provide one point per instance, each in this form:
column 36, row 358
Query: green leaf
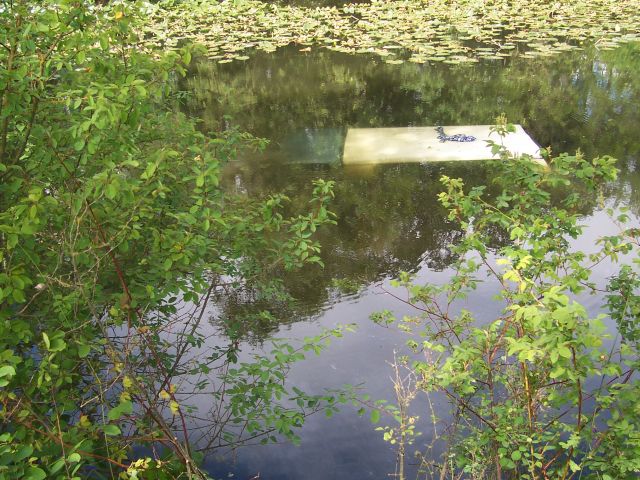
column 57, row 465
column 111, row 191
column 149, row 171
column 7, row 371
column 74, row 457
column 125, row 407
column 375, row 416
column 104, row 42
column 18, row 295
column 83, row 350
column 35, row 473
column 564, row 351
column 111, row 430
column 23, row 453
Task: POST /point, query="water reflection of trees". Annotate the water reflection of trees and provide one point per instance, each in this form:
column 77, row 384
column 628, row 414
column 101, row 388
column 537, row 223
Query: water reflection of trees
column 583, row 99
column 388, row 217
column 389, row 221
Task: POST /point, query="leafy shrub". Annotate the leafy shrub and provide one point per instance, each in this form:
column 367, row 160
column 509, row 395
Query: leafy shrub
column 114, row 236
column 542, row 391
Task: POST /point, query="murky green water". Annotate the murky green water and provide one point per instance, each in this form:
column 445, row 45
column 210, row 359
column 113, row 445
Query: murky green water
column 388, row 217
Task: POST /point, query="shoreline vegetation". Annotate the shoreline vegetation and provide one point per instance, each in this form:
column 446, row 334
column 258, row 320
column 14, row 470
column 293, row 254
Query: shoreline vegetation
column 117, row 238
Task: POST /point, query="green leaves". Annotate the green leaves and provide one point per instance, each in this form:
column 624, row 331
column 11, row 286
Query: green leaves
column 6, row 373
column 112, row 219
column 510, row 376
column 123, row 408
column 56, row 343
column 35, row 473
column 456, row 33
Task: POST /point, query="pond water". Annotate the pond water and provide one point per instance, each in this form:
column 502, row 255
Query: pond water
column 388, row 217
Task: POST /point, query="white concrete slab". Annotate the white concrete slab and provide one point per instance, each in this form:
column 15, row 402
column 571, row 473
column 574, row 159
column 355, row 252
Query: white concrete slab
column 421, row 144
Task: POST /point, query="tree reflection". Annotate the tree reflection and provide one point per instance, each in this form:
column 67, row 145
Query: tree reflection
column 388, row 216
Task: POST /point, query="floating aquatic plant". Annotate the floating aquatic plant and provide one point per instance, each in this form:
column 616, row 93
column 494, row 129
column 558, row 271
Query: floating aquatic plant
column 454, row 31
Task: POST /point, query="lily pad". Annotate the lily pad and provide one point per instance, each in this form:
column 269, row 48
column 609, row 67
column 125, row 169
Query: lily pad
column 438, row 30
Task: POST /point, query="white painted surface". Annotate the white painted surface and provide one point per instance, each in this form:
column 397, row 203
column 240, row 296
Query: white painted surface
column 421, row 144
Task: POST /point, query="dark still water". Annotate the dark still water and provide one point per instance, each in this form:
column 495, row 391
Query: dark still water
column 388, row 216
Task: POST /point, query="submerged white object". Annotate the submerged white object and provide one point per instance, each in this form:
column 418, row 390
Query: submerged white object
column 421, row 144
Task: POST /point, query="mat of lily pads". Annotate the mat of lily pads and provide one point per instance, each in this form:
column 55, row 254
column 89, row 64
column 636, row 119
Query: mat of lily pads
column 452, row 31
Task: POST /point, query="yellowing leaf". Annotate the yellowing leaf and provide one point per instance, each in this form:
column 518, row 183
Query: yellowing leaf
column 84, row 421
column 164, row 395
column 174, row 406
